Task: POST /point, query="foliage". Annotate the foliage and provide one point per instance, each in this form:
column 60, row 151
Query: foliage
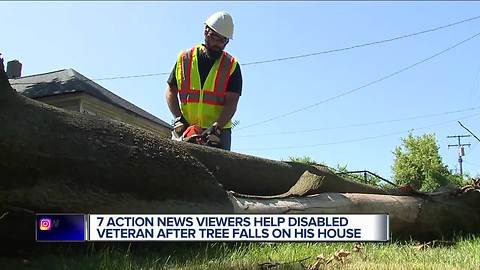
column 418, row 163
column 305, row 160
column 365, row 178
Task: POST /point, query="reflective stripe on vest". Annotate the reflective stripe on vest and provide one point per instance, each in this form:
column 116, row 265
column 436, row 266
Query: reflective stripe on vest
column 203, row 105
column 185, row 93
column 189, row 96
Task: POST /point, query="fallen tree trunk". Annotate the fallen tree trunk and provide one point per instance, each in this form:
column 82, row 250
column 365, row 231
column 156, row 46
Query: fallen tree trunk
column 258, row 176
column 52, row 160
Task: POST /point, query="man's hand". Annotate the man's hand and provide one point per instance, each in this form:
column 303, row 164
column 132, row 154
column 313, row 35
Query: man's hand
column 231, row 101
column 212, row 135
column 180, row 125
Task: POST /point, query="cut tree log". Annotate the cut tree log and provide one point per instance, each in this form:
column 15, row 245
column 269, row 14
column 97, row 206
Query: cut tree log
column 53, row 160
column 422, row 218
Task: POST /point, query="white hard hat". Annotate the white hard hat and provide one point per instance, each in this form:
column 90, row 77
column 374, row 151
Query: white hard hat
column 222, row 23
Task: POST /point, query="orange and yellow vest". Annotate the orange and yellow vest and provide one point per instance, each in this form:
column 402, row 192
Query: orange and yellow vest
column 203, row 105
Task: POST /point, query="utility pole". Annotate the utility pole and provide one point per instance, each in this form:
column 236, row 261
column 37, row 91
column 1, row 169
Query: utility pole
column 461, row 150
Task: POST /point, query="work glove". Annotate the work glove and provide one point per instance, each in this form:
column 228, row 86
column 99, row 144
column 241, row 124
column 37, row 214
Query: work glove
column 180, row 125
column 212, row 136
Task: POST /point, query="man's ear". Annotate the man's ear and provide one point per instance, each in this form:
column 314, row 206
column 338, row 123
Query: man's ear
column 205, row 32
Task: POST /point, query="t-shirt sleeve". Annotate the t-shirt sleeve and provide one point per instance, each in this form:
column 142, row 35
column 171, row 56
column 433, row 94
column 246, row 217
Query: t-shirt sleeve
column 172, row 79
column 235, row 82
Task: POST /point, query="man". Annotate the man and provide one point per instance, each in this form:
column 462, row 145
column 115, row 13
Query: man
column 208, row 82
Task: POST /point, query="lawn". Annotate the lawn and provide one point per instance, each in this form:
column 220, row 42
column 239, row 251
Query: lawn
column 463, row 253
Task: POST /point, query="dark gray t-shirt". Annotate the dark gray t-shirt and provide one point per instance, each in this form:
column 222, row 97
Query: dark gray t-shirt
column 204, row 65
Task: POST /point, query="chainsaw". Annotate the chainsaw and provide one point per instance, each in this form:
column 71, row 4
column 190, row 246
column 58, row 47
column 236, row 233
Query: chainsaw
column 194, row 134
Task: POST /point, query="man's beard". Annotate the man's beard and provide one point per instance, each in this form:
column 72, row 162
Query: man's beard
column 213, row 54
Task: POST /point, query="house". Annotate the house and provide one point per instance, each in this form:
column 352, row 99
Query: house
column 70, row 90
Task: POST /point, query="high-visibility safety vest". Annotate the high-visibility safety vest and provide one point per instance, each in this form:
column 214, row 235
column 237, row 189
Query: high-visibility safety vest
column 203, row 105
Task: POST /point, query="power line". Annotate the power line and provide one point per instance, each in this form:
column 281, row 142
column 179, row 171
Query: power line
column 356, row 125
column 363, row 86
column 133, row 76
column 475, row 136
column 106, row 78
column 360, row 139
column 360, row 45
column 297, row 56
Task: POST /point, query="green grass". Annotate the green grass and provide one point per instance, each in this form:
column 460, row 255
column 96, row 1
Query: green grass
column 465, row 254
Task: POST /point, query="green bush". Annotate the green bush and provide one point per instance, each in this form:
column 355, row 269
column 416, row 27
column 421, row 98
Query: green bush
column 418, row 163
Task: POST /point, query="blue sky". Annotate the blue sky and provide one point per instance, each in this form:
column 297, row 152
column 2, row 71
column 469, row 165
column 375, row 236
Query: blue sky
column 110, row 39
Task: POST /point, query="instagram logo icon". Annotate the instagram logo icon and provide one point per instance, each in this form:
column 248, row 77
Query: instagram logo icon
column 45, row 224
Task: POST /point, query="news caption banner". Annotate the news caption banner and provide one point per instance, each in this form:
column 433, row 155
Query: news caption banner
column 238, row 228
column 254, row 227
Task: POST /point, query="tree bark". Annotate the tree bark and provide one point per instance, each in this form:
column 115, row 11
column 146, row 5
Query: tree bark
column 258, row 176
